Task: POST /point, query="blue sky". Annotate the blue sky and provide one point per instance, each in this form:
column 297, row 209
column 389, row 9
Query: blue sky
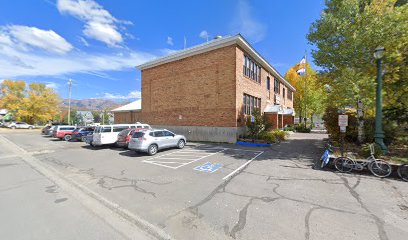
column 98, row 43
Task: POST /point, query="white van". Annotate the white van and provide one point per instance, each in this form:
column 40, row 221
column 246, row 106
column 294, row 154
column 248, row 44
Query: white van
column 108, row 134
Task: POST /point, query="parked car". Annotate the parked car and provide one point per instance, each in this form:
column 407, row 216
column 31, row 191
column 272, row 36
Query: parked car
column 125, row 135
column 89, row 138
column 151, row 141
column 49, row 132
column 45, row 129
column 63, row 132
column 108, row 134
column 79, row 134
column 50, row 128
column 22, row 125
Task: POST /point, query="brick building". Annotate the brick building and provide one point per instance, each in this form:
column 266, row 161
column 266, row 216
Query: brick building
column 206, row 92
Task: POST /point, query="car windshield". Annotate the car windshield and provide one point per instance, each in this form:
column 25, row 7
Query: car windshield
column 138, row 134
column 124, row 132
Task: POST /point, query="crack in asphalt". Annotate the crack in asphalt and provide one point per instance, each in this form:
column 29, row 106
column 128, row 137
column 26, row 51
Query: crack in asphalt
column 397, row 191
column 132, row 183
column 357, row 183
column 379, row 223
column 307, row 222
column 240, row 225
column 102, row 181
column 275, row 190
column 2, row 165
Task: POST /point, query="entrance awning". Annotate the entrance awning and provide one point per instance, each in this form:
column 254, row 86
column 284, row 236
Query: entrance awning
column 279, row 109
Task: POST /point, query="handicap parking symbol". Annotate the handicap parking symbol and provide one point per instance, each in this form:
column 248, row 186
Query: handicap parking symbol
column 208, row 167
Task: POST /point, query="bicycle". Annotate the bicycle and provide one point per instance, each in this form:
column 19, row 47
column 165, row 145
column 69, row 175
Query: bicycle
column 403, row 172
column 377, row 167
column 328, row 153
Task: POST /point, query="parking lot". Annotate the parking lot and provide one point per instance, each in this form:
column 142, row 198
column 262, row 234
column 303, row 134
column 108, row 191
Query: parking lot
column 224, row 191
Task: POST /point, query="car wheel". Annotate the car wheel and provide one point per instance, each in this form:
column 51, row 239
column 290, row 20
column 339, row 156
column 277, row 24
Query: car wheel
column 181, row 144
column 30, row 127
column 83, row 139
column 152, row 150
column 13, row 127
column 67, row 137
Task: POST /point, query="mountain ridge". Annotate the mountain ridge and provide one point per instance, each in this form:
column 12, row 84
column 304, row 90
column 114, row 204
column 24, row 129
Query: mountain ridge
column 93, row 104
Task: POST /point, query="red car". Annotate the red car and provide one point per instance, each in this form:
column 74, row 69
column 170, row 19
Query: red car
column 125, row 136
column 64, row 132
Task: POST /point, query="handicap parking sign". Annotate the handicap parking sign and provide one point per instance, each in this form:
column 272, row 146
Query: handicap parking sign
column 208, row 167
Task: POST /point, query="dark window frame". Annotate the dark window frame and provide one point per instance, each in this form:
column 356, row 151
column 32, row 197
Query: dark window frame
column 290, row 94
column 251, row 103
column 251, row 69
column 268, row 83
column 276, row 85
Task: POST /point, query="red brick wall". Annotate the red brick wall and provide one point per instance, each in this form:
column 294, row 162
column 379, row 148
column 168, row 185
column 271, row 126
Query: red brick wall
column 259, row 90
column 194, row 91
column 272, row 118
column 288, row 120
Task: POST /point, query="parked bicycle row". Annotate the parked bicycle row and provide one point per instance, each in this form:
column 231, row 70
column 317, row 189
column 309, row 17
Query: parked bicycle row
column 346, row 164
column 138, row 137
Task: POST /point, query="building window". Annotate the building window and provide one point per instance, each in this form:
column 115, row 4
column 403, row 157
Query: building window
column 268, row 83
column 251, row 103
column 276, row 86
column 283, row 94
column 252, row 69
column 290, row 94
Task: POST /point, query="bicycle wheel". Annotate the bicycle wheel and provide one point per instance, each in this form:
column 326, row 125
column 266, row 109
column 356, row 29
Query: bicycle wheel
column 380, row 168
column 403, row 172
column 344, row 164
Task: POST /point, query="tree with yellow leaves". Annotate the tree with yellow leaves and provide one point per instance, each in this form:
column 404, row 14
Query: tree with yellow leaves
column 37, row 104
column 310, row 95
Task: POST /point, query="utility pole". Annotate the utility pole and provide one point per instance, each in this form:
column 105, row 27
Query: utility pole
column 69, row 100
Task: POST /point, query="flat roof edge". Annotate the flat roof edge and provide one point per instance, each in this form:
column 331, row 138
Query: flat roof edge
column 212, row 45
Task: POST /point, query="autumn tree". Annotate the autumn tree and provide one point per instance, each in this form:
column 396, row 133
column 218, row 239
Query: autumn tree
column 12, row 94
column 310, row 95
column 33, row 105
column 40, row 104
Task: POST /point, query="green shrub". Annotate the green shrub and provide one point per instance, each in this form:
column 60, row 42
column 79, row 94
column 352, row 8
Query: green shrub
column 365, row 150
column 289, row 128
column 258, row 126
column 280, row 135
column 301, row 128
column 269, row 137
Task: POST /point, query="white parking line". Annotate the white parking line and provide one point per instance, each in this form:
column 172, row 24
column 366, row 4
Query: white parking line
column 241, row 167
column 179, row 155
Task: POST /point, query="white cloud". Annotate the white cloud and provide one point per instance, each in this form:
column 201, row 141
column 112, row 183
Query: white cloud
column 24, row 36
column 246, row 24
column 5, row 38
column 99, row 23
column 52, row 85
column 133, row 94
column 204, row 34
column 170, row 41
column 15, row 62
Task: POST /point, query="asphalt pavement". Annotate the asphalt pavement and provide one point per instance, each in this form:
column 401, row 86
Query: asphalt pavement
column 224, row 191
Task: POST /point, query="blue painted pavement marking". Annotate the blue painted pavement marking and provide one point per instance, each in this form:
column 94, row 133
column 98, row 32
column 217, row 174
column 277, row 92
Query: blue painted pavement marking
column 208, row 167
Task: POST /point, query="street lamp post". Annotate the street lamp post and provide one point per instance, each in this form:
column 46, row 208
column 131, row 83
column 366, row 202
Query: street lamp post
column 69, row 101
column 379, row 133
